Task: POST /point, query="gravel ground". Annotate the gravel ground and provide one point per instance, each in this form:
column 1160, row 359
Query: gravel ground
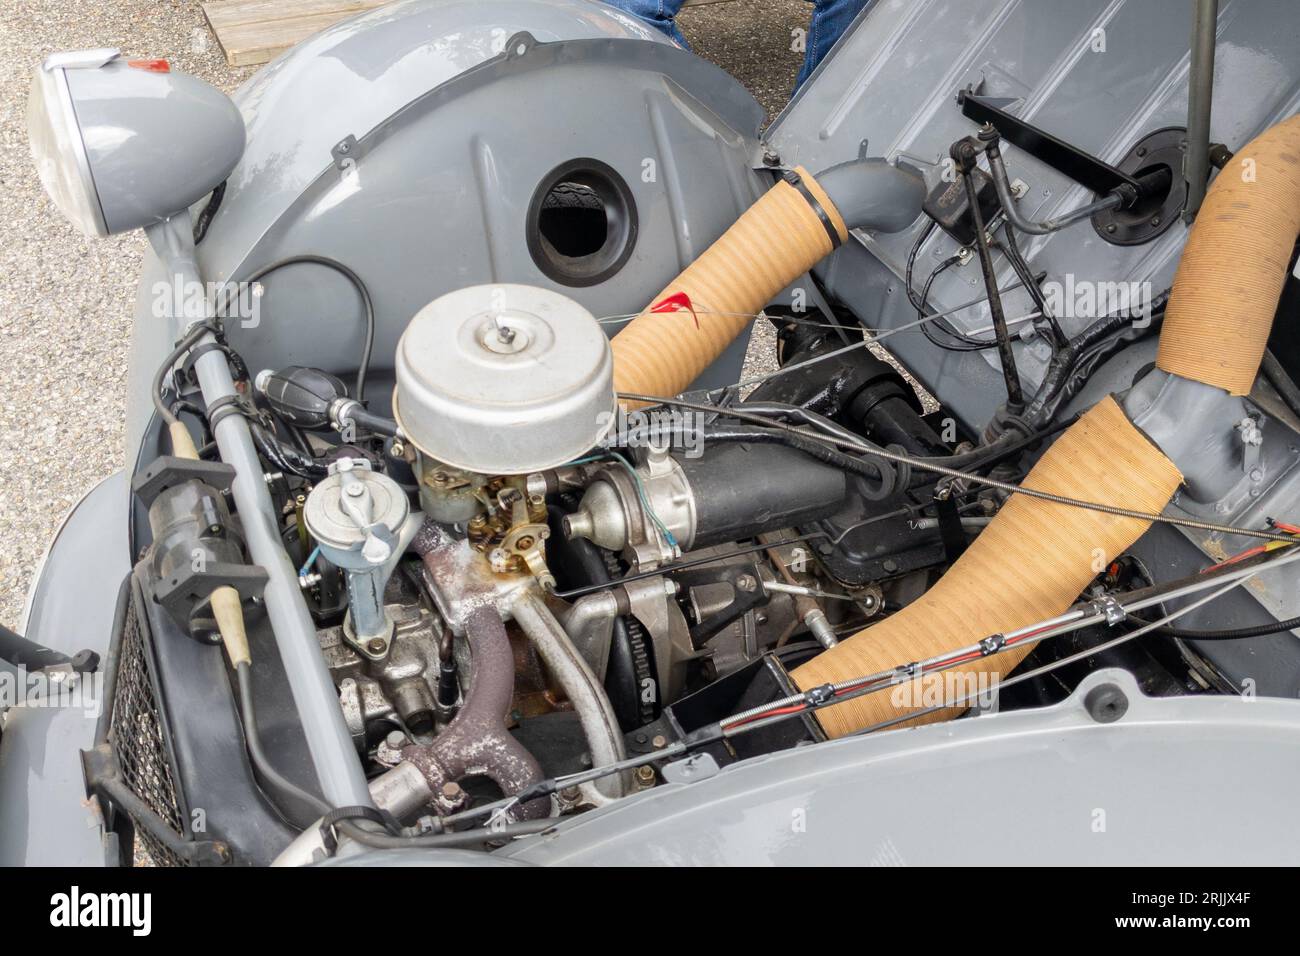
column 66, row 300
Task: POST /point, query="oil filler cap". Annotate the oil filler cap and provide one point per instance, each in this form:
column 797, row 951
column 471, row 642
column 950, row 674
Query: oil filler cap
column 504, row 379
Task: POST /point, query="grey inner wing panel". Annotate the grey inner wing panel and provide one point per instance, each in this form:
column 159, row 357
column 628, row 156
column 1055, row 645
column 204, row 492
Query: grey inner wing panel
column 1098, row 73
column 1091, row 793
column 437, row 196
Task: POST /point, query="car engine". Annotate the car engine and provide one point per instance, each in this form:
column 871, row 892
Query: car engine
column 447, row 548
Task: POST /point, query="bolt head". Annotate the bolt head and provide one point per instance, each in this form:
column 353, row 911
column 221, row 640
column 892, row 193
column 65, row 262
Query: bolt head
column 376, row 645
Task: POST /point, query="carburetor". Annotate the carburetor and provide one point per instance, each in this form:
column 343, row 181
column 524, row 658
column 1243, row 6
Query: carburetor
column 495, row 384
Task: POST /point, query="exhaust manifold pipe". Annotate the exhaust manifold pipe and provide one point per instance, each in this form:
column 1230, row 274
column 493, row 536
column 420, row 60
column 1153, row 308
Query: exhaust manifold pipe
column 477, row 741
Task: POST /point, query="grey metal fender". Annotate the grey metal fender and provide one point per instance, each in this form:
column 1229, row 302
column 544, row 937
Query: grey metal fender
column 1051, row 786
column 44, row 816
column 410, row 144
column 350, row 77
column 893, row 77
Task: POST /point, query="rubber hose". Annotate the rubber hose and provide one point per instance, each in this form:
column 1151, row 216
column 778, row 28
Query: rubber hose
column 775, row 241
column 1030, row 563
column 1234, row 265
column 1036, row 557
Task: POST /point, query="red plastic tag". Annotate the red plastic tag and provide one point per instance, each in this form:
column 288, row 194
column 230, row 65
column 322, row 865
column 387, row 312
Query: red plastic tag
column 153, row 66
column 677, row 302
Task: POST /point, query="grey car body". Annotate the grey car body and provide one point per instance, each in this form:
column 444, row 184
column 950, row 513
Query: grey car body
column 468, row 133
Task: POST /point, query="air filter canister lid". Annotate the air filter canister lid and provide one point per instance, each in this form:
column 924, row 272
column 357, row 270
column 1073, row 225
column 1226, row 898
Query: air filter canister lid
column 504, row 379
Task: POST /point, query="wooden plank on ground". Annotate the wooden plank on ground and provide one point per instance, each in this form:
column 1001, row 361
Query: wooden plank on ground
column 255, row 31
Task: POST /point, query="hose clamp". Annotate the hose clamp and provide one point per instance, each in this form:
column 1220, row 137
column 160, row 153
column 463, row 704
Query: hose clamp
column 222, row 407
column 795, row 180
column 817, row 696
column 1111, row 608
column 341, row 410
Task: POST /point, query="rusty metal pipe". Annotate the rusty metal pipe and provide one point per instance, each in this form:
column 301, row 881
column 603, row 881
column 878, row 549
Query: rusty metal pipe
column 477, row 741
column 604, row 738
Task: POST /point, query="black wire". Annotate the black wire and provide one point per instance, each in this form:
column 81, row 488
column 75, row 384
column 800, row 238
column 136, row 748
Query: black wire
column 968, row 343
column 1232, row 633
column 1214, row 634
column 1012, row 251
column 364, row 369
column 911, row 263
column 461, row 838
column 286, row 790
column 284, row 457
column 1066, row 361
column 160, row 377
column 204, row 219
column 919, row 303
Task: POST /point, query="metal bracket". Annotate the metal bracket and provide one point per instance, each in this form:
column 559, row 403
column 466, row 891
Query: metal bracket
column 1084, row 168
column 344, row 153
column 20, row 652
column 103, row 779
column 696, row 767
column 1109, row 605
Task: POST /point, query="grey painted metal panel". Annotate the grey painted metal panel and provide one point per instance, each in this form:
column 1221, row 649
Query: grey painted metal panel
column 348, row 78
column 1047, row 787
column 465, row 141
column 440, row 194
column 892, row 81
column 43, row 816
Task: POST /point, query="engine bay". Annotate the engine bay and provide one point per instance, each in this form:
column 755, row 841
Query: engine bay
column 436, row 545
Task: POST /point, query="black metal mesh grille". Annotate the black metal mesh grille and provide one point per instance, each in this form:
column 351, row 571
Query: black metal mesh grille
column 136, row 734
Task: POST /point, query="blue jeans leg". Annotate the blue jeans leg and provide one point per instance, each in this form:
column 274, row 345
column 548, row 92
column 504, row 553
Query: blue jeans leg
column 660, row 14
column 830, row 19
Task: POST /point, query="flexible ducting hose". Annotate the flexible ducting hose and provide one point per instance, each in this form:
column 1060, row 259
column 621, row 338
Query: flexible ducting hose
column 795, row 224
column 1030, row 563
column 1235, row 264
column 1036, row 557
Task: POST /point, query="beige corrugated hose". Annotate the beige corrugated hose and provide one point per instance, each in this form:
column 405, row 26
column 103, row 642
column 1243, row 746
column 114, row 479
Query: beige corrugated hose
column 1035, row 557
column 1030, row 563
column 776, row 240
column 1235, row 264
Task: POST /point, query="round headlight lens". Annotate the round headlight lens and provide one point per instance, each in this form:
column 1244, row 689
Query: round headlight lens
column 59, row 152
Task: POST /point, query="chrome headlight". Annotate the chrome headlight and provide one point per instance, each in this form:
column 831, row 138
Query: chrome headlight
column 56, row 144
column 121, row 144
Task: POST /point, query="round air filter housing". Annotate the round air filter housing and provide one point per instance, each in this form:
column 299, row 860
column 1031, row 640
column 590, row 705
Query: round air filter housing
column 504, row 379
